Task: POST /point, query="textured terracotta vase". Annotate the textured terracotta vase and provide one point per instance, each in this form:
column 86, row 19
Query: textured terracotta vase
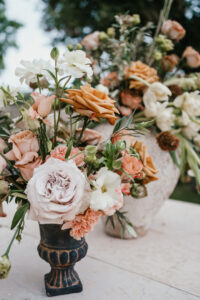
column 61, row 251
column 141, row 212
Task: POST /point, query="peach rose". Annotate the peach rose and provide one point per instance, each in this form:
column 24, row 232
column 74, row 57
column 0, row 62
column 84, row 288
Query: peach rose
column 27, row 170
column 42, row 106
column 141, row 70
column 110, row 80
column 3, row 145
column 90, row 137
column 124, row 135
column 131, row 100
column 82, row 223
column 173, row 30
column 125, row 111
column 169, row 62
column 92, row 103
column 91, row 41
column 126, row 188
column 60, row 151
column 25, row 147
column 192, row 57
column 132, row 165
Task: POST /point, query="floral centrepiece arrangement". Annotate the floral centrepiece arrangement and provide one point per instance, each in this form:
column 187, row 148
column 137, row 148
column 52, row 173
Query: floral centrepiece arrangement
column 53, row 164
column 142, row 72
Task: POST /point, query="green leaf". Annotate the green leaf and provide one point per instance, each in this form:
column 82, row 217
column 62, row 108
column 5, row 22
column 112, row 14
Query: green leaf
column 19, row 195
column 131, row 230
column 52, row 75
column 119, row 124
column 19, row 215
column 174, row 157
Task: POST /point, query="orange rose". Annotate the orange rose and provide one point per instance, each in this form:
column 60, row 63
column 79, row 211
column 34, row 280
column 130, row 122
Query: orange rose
column 91, row 103
column 132, row 165
column 173, row 30
column 169, row 62
column 192, row 57
column 124, row 135
column 141, row 70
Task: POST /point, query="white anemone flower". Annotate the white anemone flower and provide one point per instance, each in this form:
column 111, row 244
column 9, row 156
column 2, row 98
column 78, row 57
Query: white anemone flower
column 75, row 63
column 107, row 194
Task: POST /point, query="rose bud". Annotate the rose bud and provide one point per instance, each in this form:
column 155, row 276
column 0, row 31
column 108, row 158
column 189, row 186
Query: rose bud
column 173, row 30
column 4, row 266
column 192, row 57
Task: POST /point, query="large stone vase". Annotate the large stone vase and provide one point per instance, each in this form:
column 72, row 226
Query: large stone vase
column 141, row 212
column 61, row 251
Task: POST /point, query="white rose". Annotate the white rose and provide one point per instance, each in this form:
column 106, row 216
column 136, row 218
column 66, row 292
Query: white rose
column 197, row 140
column 56, row 192
column 75, row 63
column 165, row 119
column 102, row 88
column 184, row 119
column 189, row 102
column 153, row 108
column 191, row 130
column 107, row 195
column 157, row 92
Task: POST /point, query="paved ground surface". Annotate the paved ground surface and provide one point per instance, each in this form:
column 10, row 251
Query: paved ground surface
column 163, row 265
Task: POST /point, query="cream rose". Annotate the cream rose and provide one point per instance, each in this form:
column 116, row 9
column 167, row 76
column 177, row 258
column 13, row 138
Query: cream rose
column 165, row 119
column 157, row 92
column 56, row 192
column 189, row 102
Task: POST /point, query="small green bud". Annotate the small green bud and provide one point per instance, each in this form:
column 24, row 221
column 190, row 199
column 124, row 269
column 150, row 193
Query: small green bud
column 138, row 190
column 4, row 266
column 136, row 19
column 90, row 154
column 103, row 36
column 70, row 47
column 111, row 32
column 117, row 165
column 157, row 55
column 164, row 43
column 120, row 145
column 54, row 53
column 79, row 46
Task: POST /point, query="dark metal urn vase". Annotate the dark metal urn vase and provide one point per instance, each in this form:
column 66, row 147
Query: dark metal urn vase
column 61, row 251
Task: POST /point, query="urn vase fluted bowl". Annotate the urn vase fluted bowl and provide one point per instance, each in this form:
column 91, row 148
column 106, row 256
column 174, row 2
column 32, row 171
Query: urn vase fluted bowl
column 61, row 251
column 141, row 212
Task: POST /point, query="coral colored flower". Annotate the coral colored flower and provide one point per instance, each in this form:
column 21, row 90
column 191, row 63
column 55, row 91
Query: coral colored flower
column 91, row 103
column 173, row 30
column 192, row 57
column 110, row 80
column 82, row 223
column 42, row 106
column 131, row 165
column 124, row 135
column 131, row 100
column 141, row 70
column 126, row 188
column 60, row 151
column 91, row 41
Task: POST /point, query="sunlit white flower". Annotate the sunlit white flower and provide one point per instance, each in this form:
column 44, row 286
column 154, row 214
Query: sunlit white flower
column 191, row 130
column 102, row 88
column 157, row 92
column 28, row 73
column 75, row 63
column 189, row 102
column 165, row 119
column 107, row 195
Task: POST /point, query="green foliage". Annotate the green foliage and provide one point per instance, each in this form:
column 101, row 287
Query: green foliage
column 79, row 17
column 8, row 30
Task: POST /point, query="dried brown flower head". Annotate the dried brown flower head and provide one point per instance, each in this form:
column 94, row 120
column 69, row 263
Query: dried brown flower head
column 167, row 141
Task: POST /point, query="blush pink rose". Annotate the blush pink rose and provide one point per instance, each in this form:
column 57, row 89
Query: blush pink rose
column 25, row 147
column 90, row 136
column 42, row 106
column 27, row 170
column 192, row 57
column 173, row 30
column 91, row 41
